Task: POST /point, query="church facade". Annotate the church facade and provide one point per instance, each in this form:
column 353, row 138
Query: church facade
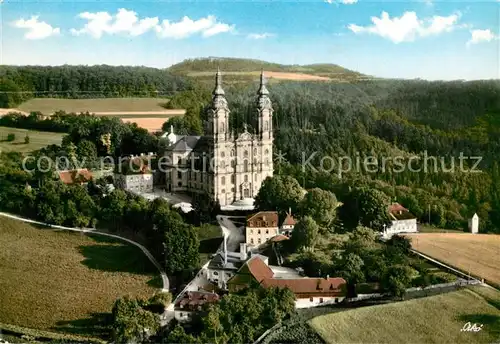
column 226, row 166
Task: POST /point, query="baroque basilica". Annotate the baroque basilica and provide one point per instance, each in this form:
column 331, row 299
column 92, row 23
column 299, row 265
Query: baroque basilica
column 227, row 167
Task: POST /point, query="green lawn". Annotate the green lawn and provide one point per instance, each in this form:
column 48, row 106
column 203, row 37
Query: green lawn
column 50, row 105
column 38, row 139
column 431, row 229
column 210, row 237
column 67, row 282
column 435, row 319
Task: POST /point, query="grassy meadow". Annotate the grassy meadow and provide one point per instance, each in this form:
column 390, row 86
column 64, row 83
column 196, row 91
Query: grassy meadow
column 67, row 282
column 210, row 237
column 435, row 319
column 50, row 105
column 38, row 139
column 477, row 253
column 148, row 113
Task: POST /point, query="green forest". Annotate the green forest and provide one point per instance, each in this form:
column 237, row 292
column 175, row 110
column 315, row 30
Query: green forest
column 432, row 146
column 375, row 119
column 18, row 84
column 447, row 131
column 314, row 122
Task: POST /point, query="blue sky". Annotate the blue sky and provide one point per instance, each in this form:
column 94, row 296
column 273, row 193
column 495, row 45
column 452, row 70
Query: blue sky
column 403, row 39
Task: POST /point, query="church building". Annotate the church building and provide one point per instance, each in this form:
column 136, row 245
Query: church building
column 226, row 166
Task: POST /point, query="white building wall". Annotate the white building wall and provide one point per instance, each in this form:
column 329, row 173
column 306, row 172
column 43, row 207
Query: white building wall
column 219, row 276
column 474, row 224
column 402, row 226
column 135, row 182
column 317, row 301
column 258, row 236
column 182, row 315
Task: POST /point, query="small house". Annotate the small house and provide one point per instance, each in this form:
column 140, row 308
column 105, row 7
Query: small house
column 192, row 302
column 402, row 221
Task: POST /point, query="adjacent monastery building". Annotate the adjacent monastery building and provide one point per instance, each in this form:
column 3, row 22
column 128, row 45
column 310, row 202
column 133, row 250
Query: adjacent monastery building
column 226, row 166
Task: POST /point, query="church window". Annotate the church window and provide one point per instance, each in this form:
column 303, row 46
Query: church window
column 259, row 240
column 255, row 162
column 232, row 189
column 255, row 151
column 246, row 178
column 266, row 125
column 223, row 180
column 251, row 241
column 267, row 162
column 222, row 164
column 179, row 174
column 179, row 183
column 179, row 161
column 232, row 152
column 267, row 151
column 223, row 191
column 245, row 166
column 233, row 163
column 245, row 154
column 222, row 127
column 233, row 179
column 222, row 155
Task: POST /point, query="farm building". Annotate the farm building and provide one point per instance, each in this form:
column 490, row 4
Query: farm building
column 402, row 221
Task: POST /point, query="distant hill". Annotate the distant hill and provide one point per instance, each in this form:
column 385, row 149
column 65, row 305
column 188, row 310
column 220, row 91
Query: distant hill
column 238, row 70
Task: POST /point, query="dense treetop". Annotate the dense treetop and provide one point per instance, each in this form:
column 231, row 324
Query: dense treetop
column 88, row 82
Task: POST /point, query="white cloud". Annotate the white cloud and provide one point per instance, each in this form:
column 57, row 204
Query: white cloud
column 36, row 29
column 345, row 2
column 128, row 23
column 124, row 22
column 260, row 35
column 408, row 27
column 478, row 36
column 207, row 27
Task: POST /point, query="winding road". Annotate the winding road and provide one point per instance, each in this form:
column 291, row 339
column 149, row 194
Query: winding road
column 164, row 277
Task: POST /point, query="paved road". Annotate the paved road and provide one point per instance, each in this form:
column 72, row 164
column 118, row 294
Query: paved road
column 164, row 277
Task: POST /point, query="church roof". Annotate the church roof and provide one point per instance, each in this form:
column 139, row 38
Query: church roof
column 203, row 144
column 218, row 91
column 186, row 143
column 262, row 87
column 289, row 220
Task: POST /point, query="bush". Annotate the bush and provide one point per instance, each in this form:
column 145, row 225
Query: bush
column 11, row 137
column 162, row 299
column 296, row 333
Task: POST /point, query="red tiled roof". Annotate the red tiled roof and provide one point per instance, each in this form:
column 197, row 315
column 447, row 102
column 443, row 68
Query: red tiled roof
column 279, row 237
column 396, row 208
column 194, row 299
column 309, row 286
column 75, row 176
column 263, row 219
column 398, row 212
column 289, row 220
column 259, row 269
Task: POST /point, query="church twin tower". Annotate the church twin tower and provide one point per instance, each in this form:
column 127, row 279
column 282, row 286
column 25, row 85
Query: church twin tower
column 239, row 163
